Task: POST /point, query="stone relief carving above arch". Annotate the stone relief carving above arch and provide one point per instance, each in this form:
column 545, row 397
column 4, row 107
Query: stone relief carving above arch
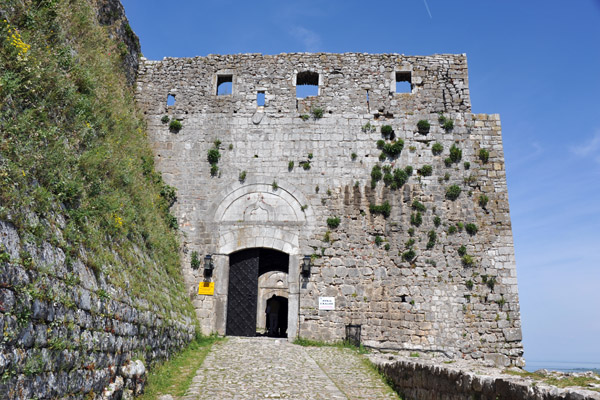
column 255, row 201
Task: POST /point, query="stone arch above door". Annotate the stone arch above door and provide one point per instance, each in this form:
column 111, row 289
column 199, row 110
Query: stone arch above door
column 257, row 201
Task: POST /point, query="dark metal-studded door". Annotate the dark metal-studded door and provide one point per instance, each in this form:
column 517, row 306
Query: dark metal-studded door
column 243, row 293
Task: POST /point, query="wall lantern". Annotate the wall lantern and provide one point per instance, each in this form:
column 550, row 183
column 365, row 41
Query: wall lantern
column 306, row 265
column 208, row 265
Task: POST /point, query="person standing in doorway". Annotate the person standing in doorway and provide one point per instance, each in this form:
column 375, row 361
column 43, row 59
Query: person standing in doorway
column 273, row 314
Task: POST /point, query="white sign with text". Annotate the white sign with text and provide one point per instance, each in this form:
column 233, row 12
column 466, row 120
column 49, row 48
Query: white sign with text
column 326, row 303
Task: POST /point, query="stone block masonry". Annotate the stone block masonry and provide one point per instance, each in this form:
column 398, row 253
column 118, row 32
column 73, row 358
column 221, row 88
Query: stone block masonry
column 435, row 275
column 69, row 334
column 418, row 379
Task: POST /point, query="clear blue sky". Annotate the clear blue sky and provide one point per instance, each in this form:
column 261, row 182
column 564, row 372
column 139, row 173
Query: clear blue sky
column 535, row 62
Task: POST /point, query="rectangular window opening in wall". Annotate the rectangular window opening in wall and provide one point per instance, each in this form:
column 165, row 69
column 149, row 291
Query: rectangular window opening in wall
column 260, row 98
column 403, row 82
column 171, row 100
column 307, row 84
column 224, row 85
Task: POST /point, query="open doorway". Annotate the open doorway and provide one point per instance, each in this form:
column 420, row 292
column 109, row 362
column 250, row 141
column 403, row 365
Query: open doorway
column 277, row 316
column 247, row 299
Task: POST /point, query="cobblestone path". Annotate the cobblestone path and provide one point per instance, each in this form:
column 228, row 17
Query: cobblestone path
column 266, row 368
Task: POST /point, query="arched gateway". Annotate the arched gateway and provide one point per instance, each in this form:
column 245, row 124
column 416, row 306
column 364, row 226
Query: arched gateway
column 245, row 269
column 259, row 228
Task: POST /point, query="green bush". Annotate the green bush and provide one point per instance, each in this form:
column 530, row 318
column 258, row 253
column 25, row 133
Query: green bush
column 169, row 194
column 387, row 130
column 333, row 222
column 416, row 219
column 455, row 153
column 305, row 165
column 471, row 229
column 451, row 229
column 467, row 165
column 400, row 177
column 353, row 156
column 469, row 284
column 387, row 169
column 366, row 128
column 165, row 119
column 418, row 206
column 242, row 176
column 376, row 173
column 409, row 255
column 437, row 221
column 394, row 149
column 380, row 144
column 175, row 125
column 214, row 169
column 378, row 240
column 305, row 117
column 483, row 200
column 317, row 112
column 383, row 209
column 484, row 155
column 467, row 260
column 462, row 250
column 431, row 235
column 290, row 165
column 437, row 148
column 448, row 125
column 452, row 192
column 388, row 179
column 409, row 170
column 491, row 282
column 426, row 170
column 195, row 261
column 213, row 155
column 274, row 185
column 423, row 126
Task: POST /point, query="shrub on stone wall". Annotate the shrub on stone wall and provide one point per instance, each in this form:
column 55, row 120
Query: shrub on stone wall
column 483, row 200
column 471, row 229
column 387, row 131
column 437, row 148
column 426, row 170
column 175, row 126
column 452, row 192
column 484, row 155
column 333, row 222
column 383, row 209
column 423, row 126
column 455, row 153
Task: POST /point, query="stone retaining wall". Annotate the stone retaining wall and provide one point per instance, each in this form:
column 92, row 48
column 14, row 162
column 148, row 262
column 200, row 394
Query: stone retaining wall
column 417, row 380
column 69, row 334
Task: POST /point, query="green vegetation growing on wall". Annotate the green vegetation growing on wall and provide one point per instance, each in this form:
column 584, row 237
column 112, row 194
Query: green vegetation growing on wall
column 73, row 148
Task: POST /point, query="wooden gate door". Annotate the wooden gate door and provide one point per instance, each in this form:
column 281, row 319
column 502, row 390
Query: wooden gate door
column 243, row 293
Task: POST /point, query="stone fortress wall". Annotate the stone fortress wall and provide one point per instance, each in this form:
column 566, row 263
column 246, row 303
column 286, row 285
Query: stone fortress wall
column 433, row 301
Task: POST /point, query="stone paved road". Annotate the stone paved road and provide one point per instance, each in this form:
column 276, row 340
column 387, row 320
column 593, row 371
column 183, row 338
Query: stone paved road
column 266, row 368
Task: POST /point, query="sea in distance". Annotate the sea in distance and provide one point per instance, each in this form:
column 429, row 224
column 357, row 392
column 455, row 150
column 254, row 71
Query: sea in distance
column 563, row 366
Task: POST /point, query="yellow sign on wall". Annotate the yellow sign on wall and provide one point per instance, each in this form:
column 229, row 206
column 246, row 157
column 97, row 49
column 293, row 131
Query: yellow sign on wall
column 206, row 288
